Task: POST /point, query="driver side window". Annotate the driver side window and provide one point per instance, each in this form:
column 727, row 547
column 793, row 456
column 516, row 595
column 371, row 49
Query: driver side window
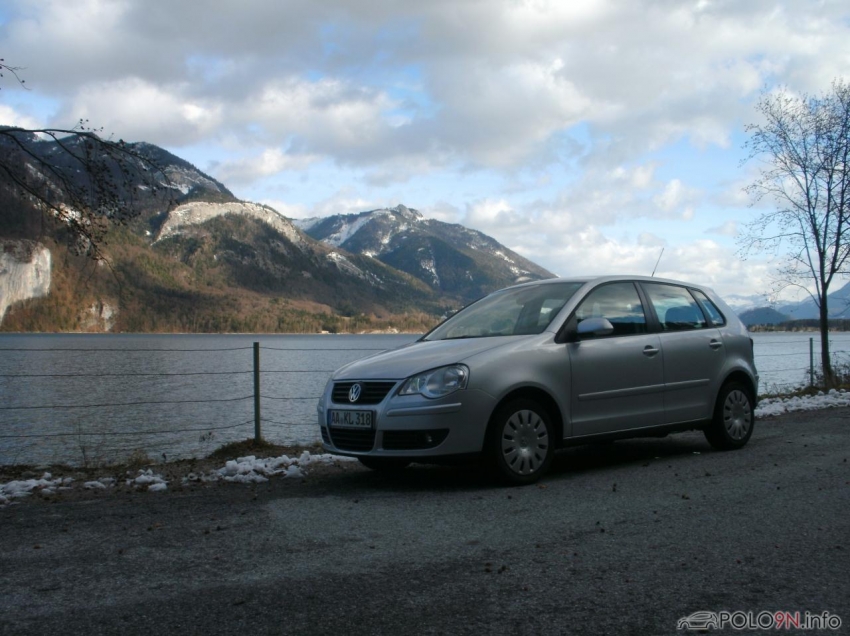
column 619, row 303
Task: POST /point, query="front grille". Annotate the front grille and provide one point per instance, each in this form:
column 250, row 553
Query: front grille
column 371, row 392
column 352, row 440
column 414, row 440
column 325, row 438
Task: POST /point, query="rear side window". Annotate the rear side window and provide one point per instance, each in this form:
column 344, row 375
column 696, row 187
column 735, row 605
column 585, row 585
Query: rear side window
column 710, row 308
column 675, row 307
column 619, row 303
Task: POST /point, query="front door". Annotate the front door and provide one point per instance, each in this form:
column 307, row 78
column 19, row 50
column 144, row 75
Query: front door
column 617, row 380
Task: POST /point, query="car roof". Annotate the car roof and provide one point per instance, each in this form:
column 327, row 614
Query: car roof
column 609, row 278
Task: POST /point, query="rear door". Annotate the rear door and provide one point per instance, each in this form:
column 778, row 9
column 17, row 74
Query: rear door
column 616, row 380
column 692, row 351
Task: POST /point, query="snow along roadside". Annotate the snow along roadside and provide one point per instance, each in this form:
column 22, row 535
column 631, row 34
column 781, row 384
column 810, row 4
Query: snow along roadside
column 244, row 470
column 251, row 469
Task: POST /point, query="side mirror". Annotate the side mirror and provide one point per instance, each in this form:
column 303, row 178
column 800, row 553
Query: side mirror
column 595, row 327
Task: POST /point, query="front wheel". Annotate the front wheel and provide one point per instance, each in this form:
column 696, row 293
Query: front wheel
column 384, row 464
column 734, row 418
column 520, row 445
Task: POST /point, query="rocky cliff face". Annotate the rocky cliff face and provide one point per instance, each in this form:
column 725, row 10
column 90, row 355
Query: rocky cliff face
column 24, row 272
column 198, row 212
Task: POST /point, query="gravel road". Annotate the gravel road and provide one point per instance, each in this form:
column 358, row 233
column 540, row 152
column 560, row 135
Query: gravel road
column 618, row 539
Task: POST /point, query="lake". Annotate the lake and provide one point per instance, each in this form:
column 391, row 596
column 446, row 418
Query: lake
column 94, row 398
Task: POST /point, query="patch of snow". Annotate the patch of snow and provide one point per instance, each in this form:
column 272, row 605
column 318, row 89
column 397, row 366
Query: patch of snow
column 347, row 230
column 429, row 265
column 148, row 478
column 408, row 213
column 777, row 406
column 503, row 256
column 25, row 487
column 252, row 470
column 100, row 484
column 305, row 224
column 345, row 265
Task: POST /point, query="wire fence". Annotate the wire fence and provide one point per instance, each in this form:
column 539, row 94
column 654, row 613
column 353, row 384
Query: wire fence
column 787, row 364
column 100, row 404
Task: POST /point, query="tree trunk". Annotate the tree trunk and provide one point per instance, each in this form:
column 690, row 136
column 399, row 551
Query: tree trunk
column 826, row 364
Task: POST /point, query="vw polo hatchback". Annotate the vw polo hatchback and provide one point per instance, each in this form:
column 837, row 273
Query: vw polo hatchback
column 531, row 368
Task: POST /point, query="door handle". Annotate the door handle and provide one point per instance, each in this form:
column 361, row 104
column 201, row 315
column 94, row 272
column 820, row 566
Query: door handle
column 649, row 351
column 715, row 344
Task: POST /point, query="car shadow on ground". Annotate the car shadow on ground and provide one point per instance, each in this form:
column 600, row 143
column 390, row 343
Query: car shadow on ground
column 567, row 464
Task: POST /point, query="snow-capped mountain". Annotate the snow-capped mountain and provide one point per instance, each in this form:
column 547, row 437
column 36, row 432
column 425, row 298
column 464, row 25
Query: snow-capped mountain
column 190, row 256
column 447, row 257
column 740, row 303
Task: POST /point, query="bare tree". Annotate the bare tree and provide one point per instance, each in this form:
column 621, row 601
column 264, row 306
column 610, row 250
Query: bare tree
column 78, row 179
column 5, row 68
column 803, row 143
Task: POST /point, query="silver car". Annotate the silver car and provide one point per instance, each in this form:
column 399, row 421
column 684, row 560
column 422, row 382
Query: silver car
column 535, row 367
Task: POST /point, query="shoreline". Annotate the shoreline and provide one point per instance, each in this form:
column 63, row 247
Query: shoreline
column 249, row 463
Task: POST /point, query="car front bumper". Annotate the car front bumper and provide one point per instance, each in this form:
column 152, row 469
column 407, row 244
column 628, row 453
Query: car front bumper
column 411, row 426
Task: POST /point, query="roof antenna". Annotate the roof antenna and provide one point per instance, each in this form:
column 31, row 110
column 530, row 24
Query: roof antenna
column 656, row 263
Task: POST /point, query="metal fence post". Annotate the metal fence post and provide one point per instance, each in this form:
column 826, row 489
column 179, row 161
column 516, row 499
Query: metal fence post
column 257, row 433
column 811, row 361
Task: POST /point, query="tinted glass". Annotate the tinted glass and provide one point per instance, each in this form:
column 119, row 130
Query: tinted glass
column 619, row 303
column 675, row 307
column 511, row 312
column 710, row 308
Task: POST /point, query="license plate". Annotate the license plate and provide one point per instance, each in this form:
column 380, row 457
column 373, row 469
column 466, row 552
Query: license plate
column 350, row 419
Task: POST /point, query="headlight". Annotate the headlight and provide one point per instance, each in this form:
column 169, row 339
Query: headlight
column 319, row 407
column 437, row 382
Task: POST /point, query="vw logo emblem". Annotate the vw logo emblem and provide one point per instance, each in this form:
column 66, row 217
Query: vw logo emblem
column 354, row 393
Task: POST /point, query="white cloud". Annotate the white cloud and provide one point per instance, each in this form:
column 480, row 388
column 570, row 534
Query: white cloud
column 558, row 127
column 138, row 110
column 287, row 209
column 729, row 228
column 270, row 161
column 10, row 117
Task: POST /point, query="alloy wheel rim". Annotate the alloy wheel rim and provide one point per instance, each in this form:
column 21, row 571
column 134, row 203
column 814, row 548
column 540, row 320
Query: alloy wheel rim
column 737, row 415
column 525, row 442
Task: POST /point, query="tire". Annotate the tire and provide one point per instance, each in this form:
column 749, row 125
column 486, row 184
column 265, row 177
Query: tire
column 520, row 445
column 385, row 464
column 734, row 418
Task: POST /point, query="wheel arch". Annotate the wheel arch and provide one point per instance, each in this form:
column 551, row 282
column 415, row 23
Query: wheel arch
column 742, row 378
column 544, row 399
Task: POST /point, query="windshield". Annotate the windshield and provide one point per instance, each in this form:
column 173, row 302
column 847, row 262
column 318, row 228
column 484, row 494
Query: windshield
column 511, row 312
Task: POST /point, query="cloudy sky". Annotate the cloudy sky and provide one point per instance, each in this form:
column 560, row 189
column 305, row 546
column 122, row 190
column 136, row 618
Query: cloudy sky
column 585, row 134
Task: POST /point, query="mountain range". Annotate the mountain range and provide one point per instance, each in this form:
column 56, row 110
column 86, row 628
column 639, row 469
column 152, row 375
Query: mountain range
column 210, row 262
column 838, row 305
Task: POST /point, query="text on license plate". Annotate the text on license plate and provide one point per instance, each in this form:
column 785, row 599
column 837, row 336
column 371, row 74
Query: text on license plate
column 350, row 419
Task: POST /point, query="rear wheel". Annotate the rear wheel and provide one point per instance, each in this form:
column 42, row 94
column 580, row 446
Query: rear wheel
column 521, row 442
column 734, row 418
column 384, row 464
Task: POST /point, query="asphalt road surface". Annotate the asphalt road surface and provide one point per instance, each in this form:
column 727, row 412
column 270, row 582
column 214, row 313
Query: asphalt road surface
column 620, row 539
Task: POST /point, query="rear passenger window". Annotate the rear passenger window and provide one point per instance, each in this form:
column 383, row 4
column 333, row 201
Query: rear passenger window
column 710, row 308
column 619, row 303
column 675, row 307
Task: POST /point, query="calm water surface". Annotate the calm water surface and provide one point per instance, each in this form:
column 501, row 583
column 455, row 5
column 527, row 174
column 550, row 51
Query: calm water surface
column 177, row 395
column 75, row 398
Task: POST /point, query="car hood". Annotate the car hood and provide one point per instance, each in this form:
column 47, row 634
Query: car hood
column 419, row 356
